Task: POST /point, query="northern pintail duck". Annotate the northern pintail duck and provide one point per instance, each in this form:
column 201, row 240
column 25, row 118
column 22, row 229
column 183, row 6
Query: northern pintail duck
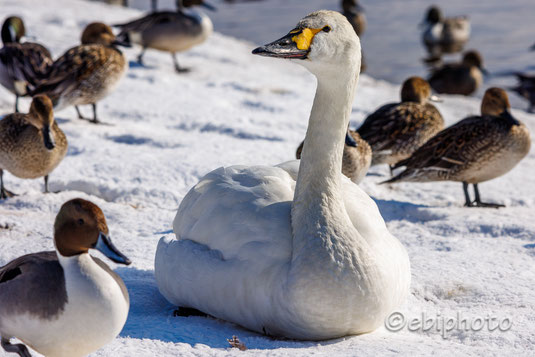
column 476, row 149
column 459, row 78
column 31, row 145
column 87, row 73
column 21, row 64
column 449, row 33
column 354, row 13
column 169, row 31
column 526, row 88
column 396, row 130
column 356, row 159
column 65, row 303
column 300, row 250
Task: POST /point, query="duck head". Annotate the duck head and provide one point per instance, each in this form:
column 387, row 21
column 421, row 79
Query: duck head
column 496, row 103
column 80, row 225
column 474, row 58
column 416, row 89
column 433, row 15
column 189, row 3
column 351, row 6
column 41, row 116
column 100, row 33
column 324, row 42
column 13, row 29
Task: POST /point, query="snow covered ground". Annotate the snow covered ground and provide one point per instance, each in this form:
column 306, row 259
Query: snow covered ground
column 168, row 130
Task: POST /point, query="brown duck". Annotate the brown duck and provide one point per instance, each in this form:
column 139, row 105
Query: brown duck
column 396, row 130
column 476, row 149
column 22, row 65
column 31, row 145
column 87, row 73
column 459, row 78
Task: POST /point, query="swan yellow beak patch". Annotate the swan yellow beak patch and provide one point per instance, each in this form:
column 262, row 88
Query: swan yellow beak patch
column 304, row 38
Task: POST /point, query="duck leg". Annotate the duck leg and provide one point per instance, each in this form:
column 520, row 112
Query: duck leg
column 154, row 4
column 177, row 67
column 467, row 201
column 46, row 184
column 478, row 203
column 95, row 118
column 4, row 194
column 80, row 116
column 140, row 56
column 19, row 348
column 16, row 103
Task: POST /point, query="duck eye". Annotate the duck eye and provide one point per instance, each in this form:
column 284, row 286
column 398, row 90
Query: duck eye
column 326, row 29
column 81, row 222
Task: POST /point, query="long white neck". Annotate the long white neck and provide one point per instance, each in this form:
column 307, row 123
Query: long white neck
column 318, row 201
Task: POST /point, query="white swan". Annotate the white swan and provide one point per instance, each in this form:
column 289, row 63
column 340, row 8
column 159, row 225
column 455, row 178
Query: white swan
column 310, row 259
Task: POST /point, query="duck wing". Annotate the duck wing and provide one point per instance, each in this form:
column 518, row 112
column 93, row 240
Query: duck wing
column 74, row 66
column 396, row 125
column 33, row 283
column 452, row 148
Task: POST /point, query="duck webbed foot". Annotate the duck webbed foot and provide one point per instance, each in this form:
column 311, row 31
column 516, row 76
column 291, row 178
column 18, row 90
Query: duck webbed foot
column 477, row 202
column 19, row 348
column 178, row 69
column 188, row 311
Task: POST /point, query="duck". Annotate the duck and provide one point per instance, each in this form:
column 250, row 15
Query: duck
column 449, row 33
column 295, row 250
column 21, row 64
column 169, row 31
column 65, row 303
column 87, row 73
column 356, row 159
column 354, row 13
column 475, row 150
column 31, row 145
column 459, row 78
column 396, row 130
column 526, row 89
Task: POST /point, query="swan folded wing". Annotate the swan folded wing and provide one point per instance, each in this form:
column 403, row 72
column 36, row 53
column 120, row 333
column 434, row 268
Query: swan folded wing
column 253, row 206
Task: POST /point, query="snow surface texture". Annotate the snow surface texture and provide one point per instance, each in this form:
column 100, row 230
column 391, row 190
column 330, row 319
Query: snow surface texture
column 169, row 130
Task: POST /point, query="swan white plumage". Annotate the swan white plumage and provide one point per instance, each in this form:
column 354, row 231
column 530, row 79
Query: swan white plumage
column 293, row 250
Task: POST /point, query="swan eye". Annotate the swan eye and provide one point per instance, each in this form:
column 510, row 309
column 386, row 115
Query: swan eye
column 326, row 29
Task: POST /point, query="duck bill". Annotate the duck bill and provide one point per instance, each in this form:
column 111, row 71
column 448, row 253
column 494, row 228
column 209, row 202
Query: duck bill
column 284, row 47
column 50, row 144
column 106, row 247
column 122, row 42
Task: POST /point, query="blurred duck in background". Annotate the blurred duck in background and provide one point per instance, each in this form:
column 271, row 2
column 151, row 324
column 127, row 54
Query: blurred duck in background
column 396, row 130
column 526, row 89
column 169, row 31
column 459, row 78
column 476, row 149
column 87, row 73
column 354, row 13
column 21, row 64
column 444, row 35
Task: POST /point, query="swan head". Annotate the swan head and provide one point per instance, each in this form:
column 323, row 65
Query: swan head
column 323, row 41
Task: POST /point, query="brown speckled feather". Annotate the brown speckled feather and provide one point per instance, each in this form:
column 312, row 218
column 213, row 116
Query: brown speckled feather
column 83, row 75
column 396, row 130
